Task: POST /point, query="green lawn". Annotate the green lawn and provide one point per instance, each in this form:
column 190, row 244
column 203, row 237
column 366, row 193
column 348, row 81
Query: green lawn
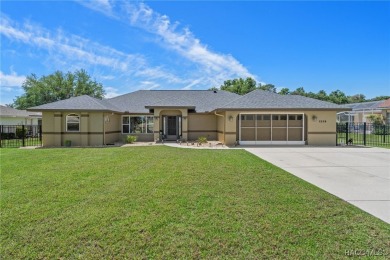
column 162, row 202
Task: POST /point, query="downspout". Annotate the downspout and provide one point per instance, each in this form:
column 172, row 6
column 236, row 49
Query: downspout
column 223, row 124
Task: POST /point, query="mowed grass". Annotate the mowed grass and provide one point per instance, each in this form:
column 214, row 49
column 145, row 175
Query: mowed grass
column 162, row 202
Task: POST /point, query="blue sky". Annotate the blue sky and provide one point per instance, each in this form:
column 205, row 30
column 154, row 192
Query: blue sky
column 130, row 45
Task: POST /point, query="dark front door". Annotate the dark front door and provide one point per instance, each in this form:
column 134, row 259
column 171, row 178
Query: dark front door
column 172, row 128
column 172, row 131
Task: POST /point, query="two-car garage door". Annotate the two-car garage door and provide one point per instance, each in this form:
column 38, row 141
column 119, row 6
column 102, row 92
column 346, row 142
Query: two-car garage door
column 271, row 129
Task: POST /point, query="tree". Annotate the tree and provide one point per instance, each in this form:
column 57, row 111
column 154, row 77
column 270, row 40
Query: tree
column 239, row 86
column 338, row 97
column 267, row 87
column 284, row 91
column 57, row 86
column 299, row 91
column 356, row 98
column 321, row 95
column 378, row 98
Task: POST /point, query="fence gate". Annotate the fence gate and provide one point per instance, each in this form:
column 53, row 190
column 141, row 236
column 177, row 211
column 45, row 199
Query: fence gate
column 363, row 134
column 15, row 136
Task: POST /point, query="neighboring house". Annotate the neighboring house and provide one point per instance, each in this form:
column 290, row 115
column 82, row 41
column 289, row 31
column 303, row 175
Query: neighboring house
column 259, row 117
column 360, row 112
column 11, row 117
column 385, row 108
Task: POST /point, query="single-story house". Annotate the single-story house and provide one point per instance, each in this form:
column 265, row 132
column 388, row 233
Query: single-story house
column 360, row 112
column 11, row 119
column 12, row 116
column 385, row 107
column 259, row 117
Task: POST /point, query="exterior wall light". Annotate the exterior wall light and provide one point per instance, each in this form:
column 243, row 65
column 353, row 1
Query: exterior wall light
column 314, row 118
column 230, row 118
column 184, row 117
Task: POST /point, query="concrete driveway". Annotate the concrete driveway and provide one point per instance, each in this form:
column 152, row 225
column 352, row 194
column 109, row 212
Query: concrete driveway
column 360, row 176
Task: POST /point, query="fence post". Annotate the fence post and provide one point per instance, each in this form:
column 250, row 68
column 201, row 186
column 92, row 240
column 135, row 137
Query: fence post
column 40, row 133
column 364, row 133
column 384, row 133
column 346, row 133
column 23, row 135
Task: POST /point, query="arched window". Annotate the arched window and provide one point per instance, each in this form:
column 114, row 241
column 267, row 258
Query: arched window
column 72, row 123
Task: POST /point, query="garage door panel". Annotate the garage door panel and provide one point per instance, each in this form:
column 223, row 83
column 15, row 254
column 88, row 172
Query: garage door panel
column 263, row 134
column 279, row 134
column 295, row 134
column 248, row 134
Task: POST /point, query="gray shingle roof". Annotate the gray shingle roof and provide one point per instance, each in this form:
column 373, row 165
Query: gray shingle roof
column 260, row 99
column 80, row 103
column 365, row 105
column 12, row 112
column 202, row 100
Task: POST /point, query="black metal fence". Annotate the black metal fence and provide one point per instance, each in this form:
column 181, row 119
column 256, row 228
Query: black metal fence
column 14, row 136
column 363, row 134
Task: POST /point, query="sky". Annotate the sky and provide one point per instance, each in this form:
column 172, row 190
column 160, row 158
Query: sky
column 195, row 45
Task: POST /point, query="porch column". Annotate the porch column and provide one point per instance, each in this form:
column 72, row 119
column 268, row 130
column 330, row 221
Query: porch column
column 184, row 119
column 58, row 129
column 156, row 126
column 84, row 120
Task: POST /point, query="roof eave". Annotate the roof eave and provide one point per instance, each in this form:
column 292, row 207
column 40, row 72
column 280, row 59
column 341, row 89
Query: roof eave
column 189, row 107
column 284, row 109
column 72, row 109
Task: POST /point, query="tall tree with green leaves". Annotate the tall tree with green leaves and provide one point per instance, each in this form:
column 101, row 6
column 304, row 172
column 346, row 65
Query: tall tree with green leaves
column 356, row 98
column 299, row 91
column 267, row 87
column 239, row 86
column 284, row 91
column 321, row 95
column 57, row 86
column 338, row 97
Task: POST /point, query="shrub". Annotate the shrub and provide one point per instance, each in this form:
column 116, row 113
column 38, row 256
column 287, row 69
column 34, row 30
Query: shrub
column 20, row 132
column 131, row 139
column 68, row 143
column 202, row 140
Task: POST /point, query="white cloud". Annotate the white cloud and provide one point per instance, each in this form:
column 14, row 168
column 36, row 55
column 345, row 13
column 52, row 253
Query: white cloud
column 69, row 50
column 213, row 67
column 111, row 92
column 149, row 85
column 103, row 6
column 193, row 83
column 10, row 81
column 183, row 41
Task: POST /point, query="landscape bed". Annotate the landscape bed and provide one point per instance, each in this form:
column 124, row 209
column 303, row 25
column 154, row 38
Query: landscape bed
column 163, row 202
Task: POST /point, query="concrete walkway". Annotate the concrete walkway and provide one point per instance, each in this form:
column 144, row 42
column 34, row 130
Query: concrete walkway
column 360, row 176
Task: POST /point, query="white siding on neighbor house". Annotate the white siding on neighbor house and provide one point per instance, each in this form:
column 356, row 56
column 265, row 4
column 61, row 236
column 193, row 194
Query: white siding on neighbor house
column 18, row 121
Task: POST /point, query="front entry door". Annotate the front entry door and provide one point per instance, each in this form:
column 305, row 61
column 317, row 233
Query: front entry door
column 172, row 128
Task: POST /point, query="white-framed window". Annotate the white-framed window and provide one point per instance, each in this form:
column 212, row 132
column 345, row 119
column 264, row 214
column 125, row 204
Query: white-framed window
column 137, row 124
column 73, row 123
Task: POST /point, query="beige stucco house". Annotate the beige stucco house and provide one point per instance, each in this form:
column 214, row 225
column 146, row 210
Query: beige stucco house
column 259, row 117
